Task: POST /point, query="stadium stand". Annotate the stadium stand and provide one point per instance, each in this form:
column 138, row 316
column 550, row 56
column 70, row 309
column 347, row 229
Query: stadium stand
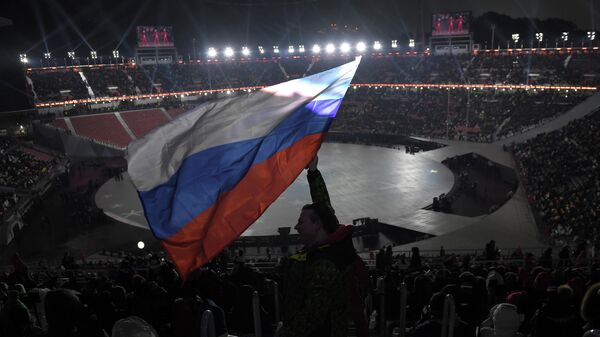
column 560, row 171
column 482, row 68
column 425, row 112
column 141, row 122
column 105, row 128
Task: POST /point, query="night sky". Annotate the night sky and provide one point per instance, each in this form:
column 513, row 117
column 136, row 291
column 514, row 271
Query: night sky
column 109, row 24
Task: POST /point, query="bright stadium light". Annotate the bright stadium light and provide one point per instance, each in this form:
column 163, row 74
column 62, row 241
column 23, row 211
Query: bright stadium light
column 565, row 36
column 23, row 58
column 71, row 54
column 345, row 47
column 245, row 51
column 276, row 49
column 316, row 49
column 329, row 48
column 515, row 37
column 377, row 45
column 93, row 54
column 228, row 52
column 301, row 48
column 591, row 36
column 411, row 43
column 539, row 36
column 261, row 50
column 115, row 53
column 47, row 55
column 361, row 47
column 394, row 44
column 212, row 52
column 291, row 49
column 141, row 244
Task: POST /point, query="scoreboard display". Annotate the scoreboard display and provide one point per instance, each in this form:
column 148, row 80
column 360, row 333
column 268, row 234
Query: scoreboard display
column 155, row 36
column 456, row 23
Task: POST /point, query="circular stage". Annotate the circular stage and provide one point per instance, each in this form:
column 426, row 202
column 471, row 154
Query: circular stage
column 363, row 181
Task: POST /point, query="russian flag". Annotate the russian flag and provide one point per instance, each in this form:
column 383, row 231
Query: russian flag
column 206, row 176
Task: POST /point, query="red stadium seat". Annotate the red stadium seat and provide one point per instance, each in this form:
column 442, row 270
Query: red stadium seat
column 143, row 121
column 105, row 128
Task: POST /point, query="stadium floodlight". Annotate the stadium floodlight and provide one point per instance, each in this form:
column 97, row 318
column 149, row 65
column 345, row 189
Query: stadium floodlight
column 47, row 55
column 515, row 37
column 316, row 49
column 565, row 36
column 276, row 49
column 23, row 58
column 377, row 45
column 141, row 245
column 291, row 49
column 212, row 52
column 361, row 47
column 301, row 48
column 261, row 50
column 591, row 36
column 228, row 52
column 71, row 54
column 115, row 53
column 245, row 51
column 394, row 44
column 411, row 43
column 329, row 48
column 345, row 47
column 93, row 54
column 539, row 36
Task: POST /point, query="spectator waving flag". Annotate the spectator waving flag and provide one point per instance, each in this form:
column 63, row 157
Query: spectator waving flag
column 206, row 176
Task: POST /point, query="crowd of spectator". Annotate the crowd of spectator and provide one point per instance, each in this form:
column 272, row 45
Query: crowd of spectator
column 555, row 69
column 561, row 174
column 19, row 169
column 478, row 115
column 498, row 295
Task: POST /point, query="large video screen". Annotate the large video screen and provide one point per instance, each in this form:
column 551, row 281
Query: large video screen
column 155, row 36
column 451, row 23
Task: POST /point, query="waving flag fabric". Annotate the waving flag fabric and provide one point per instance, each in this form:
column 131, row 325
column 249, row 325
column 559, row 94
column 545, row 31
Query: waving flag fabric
column 206, row 176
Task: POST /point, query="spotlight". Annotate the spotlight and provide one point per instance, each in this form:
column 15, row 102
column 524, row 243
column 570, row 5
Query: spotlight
column 141, row 244
column 515, row 37
column 23, row 58
column 93, row 54
column 377, row 45
column 539, row 36
column 47, row 55
column 316, row 49
column 301, row 48
column 394, row 44
column 361, row 47
column 329, row 48
column 276, row 49
column 212, row 52
column 591, row 36
column 565, row 36
column 115, row 53
column 291, row 49
column 411, row 43
column 245, row 51
column 261, row 50
column 228, row 52
column 345, row 47
column 71, row 54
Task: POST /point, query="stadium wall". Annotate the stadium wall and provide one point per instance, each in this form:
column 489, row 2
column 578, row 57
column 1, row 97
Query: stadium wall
column 71, row 145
